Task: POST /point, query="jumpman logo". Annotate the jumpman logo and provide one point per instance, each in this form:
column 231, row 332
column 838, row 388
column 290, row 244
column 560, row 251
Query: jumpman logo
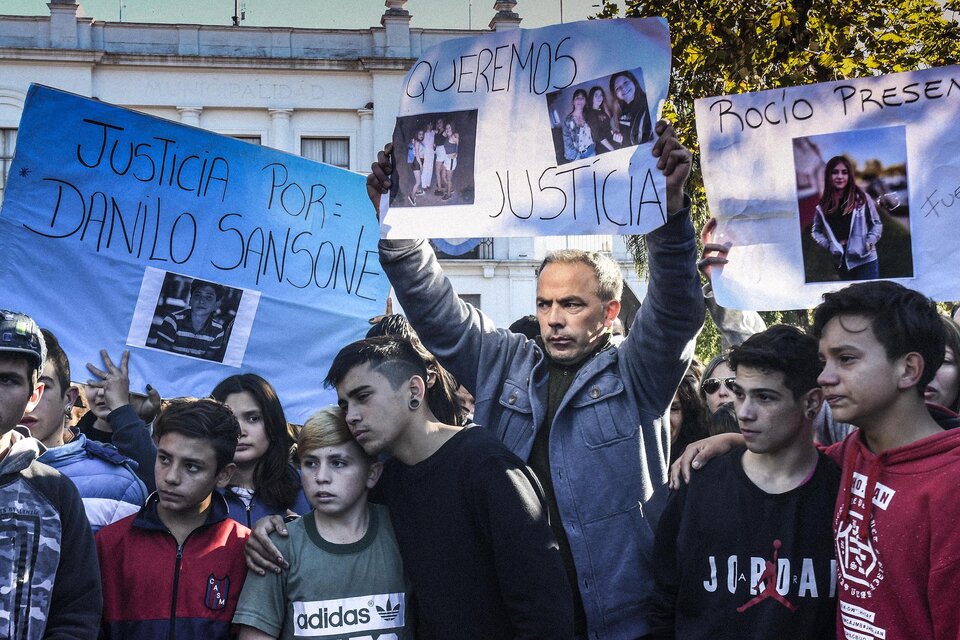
column 769, row 581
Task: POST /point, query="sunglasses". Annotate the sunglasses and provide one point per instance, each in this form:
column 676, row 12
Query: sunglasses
column 712, row 385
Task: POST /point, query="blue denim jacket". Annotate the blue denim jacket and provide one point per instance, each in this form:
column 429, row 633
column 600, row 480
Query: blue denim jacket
column 609, row 440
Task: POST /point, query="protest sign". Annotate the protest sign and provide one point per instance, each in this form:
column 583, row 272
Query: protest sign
column 203, row 255
column 821, row 185
column 533, row 132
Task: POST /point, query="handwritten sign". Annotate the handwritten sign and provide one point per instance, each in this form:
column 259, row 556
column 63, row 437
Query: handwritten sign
column 827, row 184
column 205, row 256
column 533, row 132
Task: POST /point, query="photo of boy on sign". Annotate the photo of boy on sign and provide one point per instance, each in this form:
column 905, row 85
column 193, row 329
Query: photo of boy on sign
column 854, row 206
column 197, row 324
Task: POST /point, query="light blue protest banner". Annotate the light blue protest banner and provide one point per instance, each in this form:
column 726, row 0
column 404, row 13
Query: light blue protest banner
column 532, row 132
column 203, row 255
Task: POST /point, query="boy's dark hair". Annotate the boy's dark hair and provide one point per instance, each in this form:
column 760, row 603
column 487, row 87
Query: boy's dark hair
column 785, row 349
column 197, row 284
column 394, row 358
column 902, row 320
column 395, row 324
column 442, row 396
column 58, row 358
column 204, row 419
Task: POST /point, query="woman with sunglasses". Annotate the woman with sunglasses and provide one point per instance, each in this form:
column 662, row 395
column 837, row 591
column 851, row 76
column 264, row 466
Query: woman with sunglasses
column 713, row 391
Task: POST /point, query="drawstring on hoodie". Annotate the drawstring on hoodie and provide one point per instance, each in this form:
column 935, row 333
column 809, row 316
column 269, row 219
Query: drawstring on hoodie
column 872, row 471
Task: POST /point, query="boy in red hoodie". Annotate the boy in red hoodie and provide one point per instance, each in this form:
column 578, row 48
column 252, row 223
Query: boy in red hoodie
column 898, row 555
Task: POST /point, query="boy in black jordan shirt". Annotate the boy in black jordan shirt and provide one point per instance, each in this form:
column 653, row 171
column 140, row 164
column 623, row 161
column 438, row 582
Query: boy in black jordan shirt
column 746, row 549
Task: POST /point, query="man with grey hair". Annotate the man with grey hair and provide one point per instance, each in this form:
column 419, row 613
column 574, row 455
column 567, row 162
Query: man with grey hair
column 587, row 416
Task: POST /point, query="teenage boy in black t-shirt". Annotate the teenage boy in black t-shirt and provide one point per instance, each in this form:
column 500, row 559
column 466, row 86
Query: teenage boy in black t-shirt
column 468, row 514
column 745, row 550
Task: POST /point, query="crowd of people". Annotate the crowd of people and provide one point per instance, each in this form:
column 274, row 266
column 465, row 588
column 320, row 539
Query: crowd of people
column 547, row 508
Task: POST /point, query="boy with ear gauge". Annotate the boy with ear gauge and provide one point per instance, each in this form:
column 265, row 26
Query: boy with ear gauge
column 346, row 577
column 746, row 549
column 469, row 516
column 894, row 523
column 176, row 568
column 105, row 478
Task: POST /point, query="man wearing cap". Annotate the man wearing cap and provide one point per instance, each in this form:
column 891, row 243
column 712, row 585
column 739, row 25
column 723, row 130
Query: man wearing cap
column 52, row 579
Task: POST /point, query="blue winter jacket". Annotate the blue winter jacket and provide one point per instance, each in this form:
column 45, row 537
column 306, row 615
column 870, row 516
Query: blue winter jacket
column 259, row 509
column 131, row 436
column 609, row 441
column 105, row 478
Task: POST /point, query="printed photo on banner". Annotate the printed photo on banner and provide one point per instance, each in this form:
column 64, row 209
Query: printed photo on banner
column 192, row 317
column 600, row 115
column 434, row 159
column 201, row 255
column 531, row 132
column 853, row 203
column 820, row 185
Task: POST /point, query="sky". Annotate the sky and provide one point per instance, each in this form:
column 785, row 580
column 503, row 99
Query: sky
column 321, row 14
column 886, row 144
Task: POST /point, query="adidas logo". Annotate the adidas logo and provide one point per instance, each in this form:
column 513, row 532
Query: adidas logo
column 333, row 619
column 349, row 616
column 387, row 612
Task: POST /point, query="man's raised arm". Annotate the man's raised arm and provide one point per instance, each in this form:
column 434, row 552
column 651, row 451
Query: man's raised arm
column 660, row 345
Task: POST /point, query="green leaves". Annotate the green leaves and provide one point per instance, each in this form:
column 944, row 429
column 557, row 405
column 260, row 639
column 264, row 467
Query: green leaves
column 724, row 47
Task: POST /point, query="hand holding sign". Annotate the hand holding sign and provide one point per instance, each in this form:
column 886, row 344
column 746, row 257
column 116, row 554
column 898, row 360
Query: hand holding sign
column 379, row 181
column 674, row 162
column 714, row 254
column 535, row 132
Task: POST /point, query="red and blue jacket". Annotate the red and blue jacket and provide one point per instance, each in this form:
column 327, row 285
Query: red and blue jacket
column 154, row 588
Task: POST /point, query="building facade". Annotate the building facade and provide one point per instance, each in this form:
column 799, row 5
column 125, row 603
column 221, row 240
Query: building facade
column 328, row 95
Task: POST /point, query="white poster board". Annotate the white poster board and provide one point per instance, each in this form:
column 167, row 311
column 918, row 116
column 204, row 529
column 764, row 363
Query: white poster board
column 765, row 159
column 533, row 132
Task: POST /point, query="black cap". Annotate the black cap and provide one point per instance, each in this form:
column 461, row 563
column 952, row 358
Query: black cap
column 20, row 334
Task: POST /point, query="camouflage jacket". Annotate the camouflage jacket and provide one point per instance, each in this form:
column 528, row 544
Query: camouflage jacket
column 50, row 586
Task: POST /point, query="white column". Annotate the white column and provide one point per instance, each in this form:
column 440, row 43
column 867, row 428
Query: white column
column 396, row 25
column 505, row 17
column 63, row 24
column 366, row 153
column 280, row 135
column 190, row 115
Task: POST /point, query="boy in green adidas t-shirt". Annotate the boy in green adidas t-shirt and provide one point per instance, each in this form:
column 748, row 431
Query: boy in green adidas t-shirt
column 345, row 577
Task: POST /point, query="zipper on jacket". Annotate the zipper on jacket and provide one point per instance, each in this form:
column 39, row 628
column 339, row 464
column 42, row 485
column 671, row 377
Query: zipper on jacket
column 249, row 507
column 176, row 584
